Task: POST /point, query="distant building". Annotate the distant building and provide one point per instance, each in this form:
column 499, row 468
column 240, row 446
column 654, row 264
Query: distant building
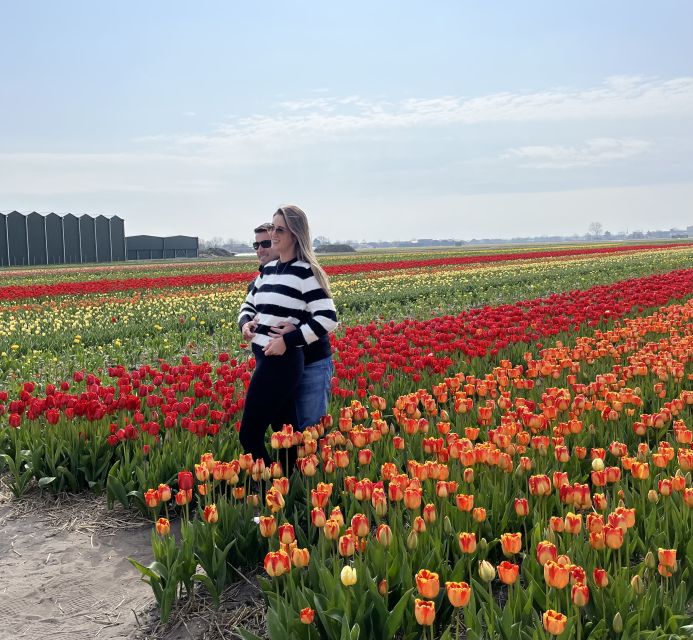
column 157, row 248
column 54, row 239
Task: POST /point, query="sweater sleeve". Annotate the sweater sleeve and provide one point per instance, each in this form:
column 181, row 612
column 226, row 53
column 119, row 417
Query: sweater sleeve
column 323, row 315
column 248, row 311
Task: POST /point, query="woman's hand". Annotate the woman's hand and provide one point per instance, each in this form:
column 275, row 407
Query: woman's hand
column 275, row 347
column 248, row 330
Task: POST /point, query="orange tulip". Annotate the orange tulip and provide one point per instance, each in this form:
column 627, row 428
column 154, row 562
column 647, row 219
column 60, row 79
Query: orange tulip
column 580, row 594
column 467, row 542
column 277, row 563
column 163, row 526
column 557, row 524
column 556, row 575
column 210, row 514
column 274, row 500
column 360, row 525
column 479, row 514
column 346, row 546
column 667, row 557
column 613, row 536
column 554, row 622
column 424, row 611
column 539, row 485
column 511, row 543
column 307, row 615
column 600, row 577
column 597, row 540
column 508, row 572
column 546, row 551
column 317, row 517
column 459, row 593
column 268, row 526
column 152, row 498
column 521, row 507
column 300, row 557
column 573, row 523
column 286, row 533
column 331, row 529
column 384, row 535
column 427, row 583
column 412, row 497
column 419, row 525
column 464, row 502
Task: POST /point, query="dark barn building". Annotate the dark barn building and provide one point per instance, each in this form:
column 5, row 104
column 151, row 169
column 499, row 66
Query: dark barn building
column 180, row 247
column 117, row 231
column 156, row 247
column 103, row 239
column 4, row 248
column 87, row 238
column 73, row 250
column 53, row 239
column 17, row 239
column 36, row 236
column 55, row 252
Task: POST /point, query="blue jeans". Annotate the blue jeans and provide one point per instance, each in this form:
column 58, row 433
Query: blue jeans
column 313, row 392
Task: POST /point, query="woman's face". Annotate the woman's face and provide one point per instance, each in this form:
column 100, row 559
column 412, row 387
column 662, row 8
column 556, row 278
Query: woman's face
column 283, row 240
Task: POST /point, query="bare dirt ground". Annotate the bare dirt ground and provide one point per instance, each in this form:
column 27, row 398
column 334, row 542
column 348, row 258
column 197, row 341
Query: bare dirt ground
column 64, row 573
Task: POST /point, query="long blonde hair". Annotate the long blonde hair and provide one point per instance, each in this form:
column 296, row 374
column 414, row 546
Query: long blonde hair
column 297, row 222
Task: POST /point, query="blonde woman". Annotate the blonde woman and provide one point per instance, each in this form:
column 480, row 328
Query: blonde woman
column 288, row 309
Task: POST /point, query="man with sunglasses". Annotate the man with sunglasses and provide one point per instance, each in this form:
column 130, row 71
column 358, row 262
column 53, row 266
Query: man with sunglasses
column 263, row 247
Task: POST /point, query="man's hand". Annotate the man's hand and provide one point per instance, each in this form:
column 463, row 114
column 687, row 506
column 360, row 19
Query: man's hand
column 275, row 347
column 248, row 330
column 281, row 329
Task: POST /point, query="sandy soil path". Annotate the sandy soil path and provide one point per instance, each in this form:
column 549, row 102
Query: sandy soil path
column 64, row 572
column 64, row 575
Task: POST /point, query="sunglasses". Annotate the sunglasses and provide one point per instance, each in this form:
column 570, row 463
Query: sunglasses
column 275, row 229
column 265, row 244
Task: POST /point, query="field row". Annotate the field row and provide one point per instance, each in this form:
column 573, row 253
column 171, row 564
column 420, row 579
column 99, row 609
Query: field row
column 46, row 341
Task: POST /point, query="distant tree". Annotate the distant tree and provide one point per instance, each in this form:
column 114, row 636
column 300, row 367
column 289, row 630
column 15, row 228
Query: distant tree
column 595, row 229
column 607, row 235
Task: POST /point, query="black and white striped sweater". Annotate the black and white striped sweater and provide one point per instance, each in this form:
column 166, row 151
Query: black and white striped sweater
column 289, row 292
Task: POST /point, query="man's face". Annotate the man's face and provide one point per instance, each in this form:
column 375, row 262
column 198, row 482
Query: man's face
column 265, row 254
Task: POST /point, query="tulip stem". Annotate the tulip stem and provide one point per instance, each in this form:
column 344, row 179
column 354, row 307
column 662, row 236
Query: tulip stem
column 579, row 625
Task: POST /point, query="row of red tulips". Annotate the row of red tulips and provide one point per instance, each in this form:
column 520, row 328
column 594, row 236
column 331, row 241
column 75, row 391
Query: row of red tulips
column 19, row 292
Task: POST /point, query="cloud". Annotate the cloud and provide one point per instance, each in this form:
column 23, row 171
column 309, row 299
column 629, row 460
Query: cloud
column 300, row 133
column 597, row 151
column 328, row 118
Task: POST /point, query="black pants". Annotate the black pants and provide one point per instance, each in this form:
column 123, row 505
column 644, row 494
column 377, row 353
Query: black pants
column 271, row 400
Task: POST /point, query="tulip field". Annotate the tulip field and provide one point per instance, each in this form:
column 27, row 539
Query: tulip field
column 508, row 451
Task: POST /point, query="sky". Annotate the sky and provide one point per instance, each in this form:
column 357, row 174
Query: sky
column 387, row 120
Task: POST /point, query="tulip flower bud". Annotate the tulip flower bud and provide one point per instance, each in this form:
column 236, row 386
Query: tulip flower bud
column 348, row 576
column 483, row 545
column 307, row 615
column 598, row 464
column 650, row 561
column 652, row 496
column 617, row 624
column 412, row 540
column 487, row 571
column 637, row 585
